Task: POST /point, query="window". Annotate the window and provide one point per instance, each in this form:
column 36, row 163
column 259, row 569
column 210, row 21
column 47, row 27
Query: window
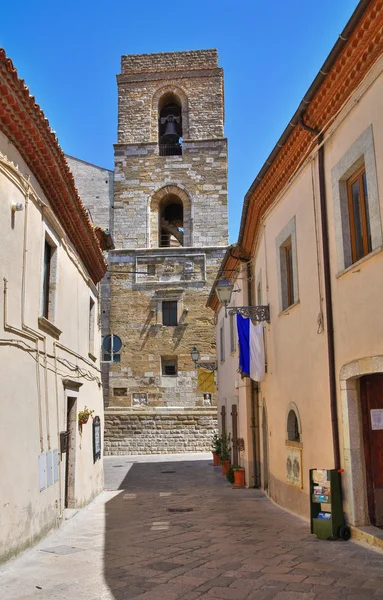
column 92, row 320
column 170, row 125
column 171, row 215
column 48, row 302
column 47, row 278
column 151, row 269
column 293, row 433
column 288, row 259
column 287, row 273
column 169, row 313
column 111, row 346
column 287, row 267
column 232, row 333
column 360, row 231
column 120, row 391
column 222, row 342
column 168, row 366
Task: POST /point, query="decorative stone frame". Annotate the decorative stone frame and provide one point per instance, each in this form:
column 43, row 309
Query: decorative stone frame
column 154, row 205
column 48, row 324
column 294, row 450
column 183, row 100
column 354, row 477
column 360, row 152
column 289, row 231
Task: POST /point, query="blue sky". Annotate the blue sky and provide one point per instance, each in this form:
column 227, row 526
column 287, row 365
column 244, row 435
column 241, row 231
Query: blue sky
column 69, row 53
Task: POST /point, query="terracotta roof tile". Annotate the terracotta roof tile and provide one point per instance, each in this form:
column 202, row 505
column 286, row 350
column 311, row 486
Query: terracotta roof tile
column 25, row 124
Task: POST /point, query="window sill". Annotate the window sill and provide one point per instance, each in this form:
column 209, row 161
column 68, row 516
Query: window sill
column 287, row 310
column 92, row 356
column 48, row 327
column 292, row 444
column 359, row 262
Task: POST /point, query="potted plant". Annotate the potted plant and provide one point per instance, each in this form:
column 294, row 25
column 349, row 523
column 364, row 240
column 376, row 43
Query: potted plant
column 238, row 471
column 230, row 475
column 83, row 415
column 216, row 449
column 225, row 453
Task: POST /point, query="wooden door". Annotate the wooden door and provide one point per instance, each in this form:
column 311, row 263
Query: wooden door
column 371, row 394
column 70, row 453
column 265, row 441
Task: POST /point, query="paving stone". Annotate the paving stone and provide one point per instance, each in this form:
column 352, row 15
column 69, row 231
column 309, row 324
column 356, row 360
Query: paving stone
column 286, row 578
column 295, row 596
column 201, row 555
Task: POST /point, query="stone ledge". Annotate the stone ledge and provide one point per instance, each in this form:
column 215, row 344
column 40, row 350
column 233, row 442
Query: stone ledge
column 373, row 536
column 152, row 411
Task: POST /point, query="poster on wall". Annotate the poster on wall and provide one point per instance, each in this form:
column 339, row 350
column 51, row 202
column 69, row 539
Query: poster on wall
column 96, row 439
column 376, row 418
column 294, row 466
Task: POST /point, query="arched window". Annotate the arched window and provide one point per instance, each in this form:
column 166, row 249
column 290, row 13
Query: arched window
column 171, row 222
column 293, row 432
column 170, row 125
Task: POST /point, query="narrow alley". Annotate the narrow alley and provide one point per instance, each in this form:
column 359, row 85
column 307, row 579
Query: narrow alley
column 168, row 528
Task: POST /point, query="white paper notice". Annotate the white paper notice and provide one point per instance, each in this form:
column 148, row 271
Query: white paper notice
column 376, row 418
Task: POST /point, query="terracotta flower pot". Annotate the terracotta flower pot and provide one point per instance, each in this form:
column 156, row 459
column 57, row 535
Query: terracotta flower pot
column 225, row 466
column 239, row 477
column 216, row 459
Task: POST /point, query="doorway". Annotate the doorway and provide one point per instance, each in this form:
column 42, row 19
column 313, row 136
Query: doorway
column 70, row 464
column 265, row 450
column 371, row 396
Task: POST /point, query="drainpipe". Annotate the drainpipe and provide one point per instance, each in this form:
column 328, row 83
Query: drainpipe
column 254, row 392
column 328, row 291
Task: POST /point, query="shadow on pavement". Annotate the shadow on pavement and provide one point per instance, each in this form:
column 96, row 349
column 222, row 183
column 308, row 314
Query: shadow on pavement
column 153, row 509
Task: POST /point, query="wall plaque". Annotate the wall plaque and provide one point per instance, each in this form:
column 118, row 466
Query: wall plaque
column 96, row 439
column 376, row 418
column 294, row 466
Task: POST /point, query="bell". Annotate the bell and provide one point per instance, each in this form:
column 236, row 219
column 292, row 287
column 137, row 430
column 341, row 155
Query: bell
column 170, row 135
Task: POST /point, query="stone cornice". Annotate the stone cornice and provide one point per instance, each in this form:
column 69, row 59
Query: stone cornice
column 193, row 73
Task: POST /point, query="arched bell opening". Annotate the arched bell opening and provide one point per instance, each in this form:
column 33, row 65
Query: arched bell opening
column 170, row 125
column 171, row 222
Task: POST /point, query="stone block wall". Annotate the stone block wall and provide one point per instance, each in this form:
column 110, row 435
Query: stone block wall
column 201, row 172
column 194, row 77
column 180, row 274
column 95, row 186
column 169, row 61
column 146, row 432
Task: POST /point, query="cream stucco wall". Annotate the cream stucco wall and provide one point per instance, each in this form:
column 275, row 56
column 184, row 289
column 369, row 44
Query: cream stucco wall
column 296, row 339
column 35, row 363
column 232, row 388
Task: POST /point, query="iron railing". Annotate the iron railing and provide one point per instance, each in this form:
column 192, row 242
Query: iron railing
column 170, row 149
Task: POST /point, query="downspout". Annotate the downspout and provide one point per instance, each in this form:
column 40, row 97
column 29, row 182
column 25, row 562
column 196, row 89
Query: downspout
column 254, row 392
column 328, row 291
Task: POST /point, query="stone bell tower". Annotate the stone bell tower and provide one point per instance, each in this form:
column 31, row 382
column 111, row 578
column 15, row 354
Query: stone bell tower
column 170, row 233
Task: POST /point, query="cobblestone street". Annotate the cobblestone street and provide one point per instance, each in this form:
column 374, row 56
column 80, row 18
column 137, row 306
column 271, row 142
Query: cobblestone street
column 175, row 529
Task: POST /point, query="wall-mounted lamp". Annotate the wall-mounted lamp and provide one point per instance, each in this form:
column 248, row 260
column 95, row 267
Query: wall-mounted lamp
column 17, row 206
column 208, row 365
column 224, row 290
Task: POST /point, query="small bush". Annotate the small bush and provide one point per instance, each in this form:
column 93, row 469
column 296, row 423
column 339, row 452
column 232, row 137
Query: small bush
column 230, row 475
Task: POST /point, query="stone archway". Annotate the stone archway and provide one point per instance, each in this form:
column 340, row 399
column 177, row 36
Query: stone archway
column 183, row 99
column 354, row 483
column 179, row 192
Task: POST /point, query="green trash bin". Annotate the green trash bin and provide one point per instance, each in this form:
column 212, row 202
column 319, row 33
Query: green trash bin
column 326, row 507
